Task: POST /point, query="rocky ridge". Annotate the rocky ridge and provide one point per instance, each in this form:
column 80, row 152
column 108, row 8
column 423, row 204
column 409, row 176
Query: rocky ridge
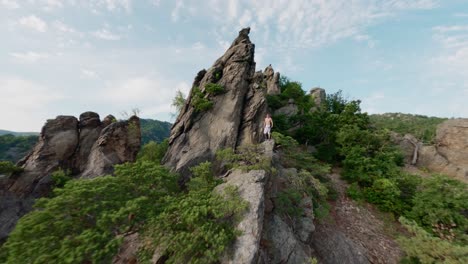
column 87, row 147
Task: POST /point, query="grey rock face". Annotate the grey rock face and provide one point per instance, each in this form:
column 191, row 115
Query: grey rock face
column 77, row 146
column 284, row 246
column 319, row 96
column 233, row 119
column 334, row 247
column 449, row 154
column 118, row 143
column 290, row 109
column 251, row 187
column 272, row 80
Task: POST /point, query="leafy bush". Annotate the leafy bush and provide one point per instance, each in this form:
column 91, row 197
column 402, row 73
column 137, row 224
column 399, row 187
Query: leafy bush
column 197, row 227
column 178, row 101
column 288, row 202
column 275, row 102
column 424, row 248
column 153, row 151
column 294, row 156
column 60, row 177
column 440, row 207
column 199, row 101
column 214, row 88
column 354, row 191
column 385, row 194
column 85, row 219
column 246, row 158
column 7, row 167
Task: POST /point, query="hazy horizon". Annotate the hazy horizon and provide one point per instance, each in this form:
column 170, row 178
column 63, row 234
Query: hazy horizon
column 108, row 56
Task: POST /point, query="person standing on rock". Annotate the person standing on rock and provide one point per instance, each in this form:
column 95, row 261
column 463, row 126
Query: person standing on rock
column 267, row 126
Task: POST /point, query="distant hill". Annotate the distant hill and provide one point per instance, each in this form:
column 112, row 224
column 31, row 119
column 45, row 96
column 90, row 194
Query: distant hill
column 154, row 130
column 13, row 148
column 5, row 132
column 422, row 127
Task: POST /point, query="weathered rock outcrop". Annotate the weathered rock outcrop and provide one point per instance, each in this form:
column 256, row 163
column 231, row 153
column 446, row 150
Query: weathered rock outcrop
column 290, row 109
column 272, row 81
column 235, row 115
column 86, row 148
column 449, row 154
column 319, row 96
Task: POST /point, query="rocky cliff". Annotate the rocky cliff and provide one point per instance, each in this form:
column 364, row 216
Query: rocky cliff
column 87, row 147
column 237, row 112
column 449, row 154
column 235, row 119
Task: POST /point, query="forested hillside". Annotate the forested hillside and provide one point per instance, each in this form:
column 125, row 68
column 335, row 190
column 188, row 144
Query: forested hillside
column 422, row 127
column 154, row 130
column 13, row 148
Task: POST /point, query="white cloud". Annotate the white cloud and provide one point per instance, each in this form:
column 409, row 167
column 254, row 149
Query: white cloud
column 50, row 5
column 62, row 27
column 299, row 23
column 34, row 23
column 365, row 38
column 106, row 35
column 460, row 15
column 453, row 57
column 198, row 46
column 175, row 14
column 23, row 103
column 88, row 74
column 28, row 57
column 9, row 4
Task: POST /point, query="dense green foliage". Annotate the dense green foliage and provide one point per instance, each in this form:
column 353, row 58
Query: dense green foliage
column 440, row 206
column 310, row 179
column 422, row 127
column 154, row 130
column 197, row 227
column 425, row 248
column 361, row 145
column 246, row 158
column 60, row 178
column 13, row 148
column 84, row 221
column 153, row 151
column 179, row 101
column 214, row 88
column 7, row 168
column 200, row 101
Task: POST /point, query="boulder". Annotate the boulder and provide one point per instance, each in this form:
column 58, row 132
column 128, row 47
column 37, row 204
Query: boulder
column 289, row 110
column 332, row 246
column 90, row 127
column 449, row 154
column 118, row 143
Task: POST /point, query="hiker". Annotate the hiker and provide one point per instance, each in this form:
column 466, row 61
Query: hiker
column 267, row 125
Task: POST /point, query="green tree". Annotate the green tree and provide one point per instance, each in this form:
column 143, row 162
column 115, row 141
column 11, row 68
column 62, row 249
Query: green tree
column 179, row 101
column 425, row 248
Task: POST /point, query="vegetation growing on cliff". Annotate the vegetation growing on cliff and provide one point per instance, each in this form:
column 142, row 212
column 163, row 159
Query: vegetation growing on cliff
column 345, row 136
column 86, row 220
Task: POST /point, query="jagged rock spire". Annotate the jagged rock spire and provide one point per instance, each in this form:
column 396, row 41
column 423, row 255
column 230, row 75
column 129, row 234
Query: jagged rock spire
column 236, row 114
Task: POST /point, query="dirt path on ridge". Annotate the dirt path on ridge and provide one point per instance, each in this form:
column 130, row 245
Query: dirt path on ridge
column 364, row 224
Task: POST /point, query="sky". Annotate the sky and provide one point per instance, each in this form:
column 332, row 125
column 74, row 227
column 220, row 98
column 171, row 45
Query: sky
column 111, row 56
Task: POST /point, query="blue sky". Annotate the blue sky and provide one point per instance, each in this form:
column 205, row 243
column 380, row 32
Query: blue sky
column 109, row 56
